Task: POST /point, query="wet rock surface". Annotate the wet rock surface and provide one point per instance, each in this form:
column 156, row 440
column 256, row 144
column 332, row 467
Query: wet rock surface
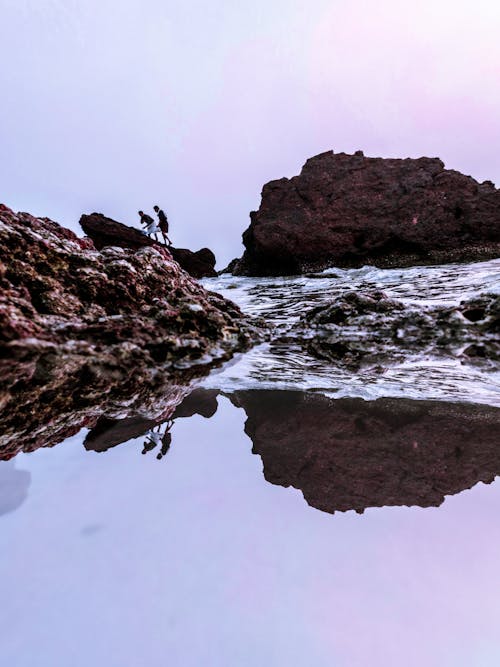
column 366, row 328
column 352, row 454
column 105, row 232
column 82, row 331
column 351, row 210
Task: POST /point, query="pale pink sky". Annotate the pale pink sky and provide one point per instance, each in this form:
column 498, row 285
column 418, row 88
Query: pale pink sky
column 114, row 106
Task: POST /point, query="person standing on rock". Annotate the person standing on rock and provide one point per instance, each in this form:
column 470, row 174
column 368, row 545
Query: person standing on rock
column 163, row 224
column 150, row 228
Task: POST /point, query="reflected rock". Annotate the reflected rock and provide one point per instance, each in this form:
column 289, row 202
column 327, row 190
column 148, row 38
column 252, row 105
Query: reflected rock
column 108, row 433
column 199, row 402
column 353, row 454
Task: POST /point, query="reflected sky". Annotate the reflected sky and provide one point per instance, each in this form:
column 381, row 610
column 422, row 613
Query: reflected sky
column 118, row 559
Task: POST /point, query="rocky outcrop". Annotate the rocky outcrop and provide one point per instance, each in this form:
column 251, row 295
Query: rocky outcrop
column 353, row 454
column 367, row 328
column 83, row 331
column 199, row 264
column 350, row 210
column 106, row 232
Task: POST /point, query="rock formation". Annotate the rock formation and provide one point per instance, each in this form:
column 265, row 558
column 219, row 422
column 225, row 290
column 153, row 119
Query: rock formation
column 367, row 328
column 199, row 264
column 83, row 331
column 350, row 210
column 106, row 232
column 353, row 454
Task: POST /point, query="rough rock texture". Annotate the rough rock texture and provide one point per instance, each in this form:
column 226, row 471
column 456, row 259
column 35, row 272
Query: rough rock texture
column 82, row 331
column 349, row 210
column 360, row 328
column 352, row 454
column 106, row 232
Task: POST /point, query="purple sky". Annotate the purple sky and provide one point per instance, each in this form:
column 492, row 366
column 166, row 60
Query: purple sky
column 114, row 105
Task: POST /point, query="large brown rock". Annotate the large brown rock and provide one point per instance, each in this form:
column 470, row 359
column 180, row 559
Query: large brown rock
column 350, row 210
column 106, row 232
column 85, row 333
column 353, row 454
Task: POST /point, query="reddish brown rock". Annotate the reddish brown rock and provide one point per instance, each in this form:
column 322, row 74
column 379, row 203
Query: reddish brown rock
column 106, row 232
column 84, row 333
column 350, row 210
column 353, row 454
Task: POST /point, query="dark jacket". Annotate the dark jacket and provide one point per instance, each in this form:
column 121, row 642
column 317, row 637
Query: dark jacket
column 162, row 221
column 146, row 219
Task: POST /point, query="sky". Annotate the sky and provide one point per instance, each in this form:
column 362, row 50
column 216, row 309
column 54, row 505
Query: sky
column 117, row 105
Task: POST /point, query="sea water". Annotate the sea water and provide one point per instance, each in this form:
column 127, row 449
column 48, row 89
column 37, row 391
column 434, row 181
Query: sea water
column 123, row 560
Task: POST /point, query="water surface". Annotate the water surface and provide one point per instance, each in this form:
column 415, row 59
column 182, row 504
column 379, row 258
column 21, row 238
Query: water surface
column 286, row 513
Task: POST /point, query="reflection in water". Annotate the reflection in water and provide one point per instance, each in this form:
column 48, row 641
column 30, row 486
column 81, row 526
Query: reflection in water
column 14, row 486
column 348, row 453
column 159, row 435
column 342, row 454
column 108, row 432
column 352, row 454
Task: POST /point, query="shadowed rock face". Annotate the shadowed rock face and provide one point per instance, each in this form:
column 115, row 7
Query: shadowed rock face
column 351, row 454
column 106, row 232
column 348, row 210
column 199, row 264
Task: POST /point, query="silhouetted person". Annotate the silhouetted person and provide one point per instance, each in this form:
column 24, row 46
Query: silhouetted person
column 150, row 227
column 154, row 437
column 165, row 446
column 163, row 224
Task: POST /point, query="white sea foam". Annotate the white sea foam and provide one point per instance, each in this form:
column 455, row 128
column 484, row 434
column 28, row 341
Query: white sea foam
column 281, row 301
